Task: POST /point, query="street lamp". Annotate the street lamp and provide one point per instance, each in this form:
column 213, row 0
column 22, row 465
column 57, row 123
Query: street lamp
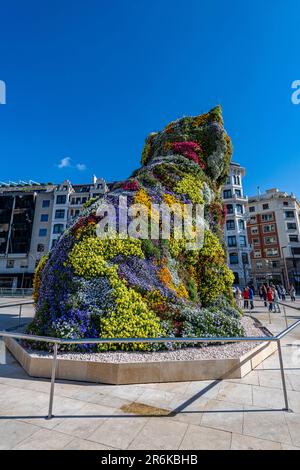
column 285, row 267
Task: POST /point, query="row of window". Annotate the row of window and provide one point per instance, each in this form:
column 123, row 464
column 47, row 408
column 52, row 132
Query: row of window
column 227, row 193
column 230, row 224
column 268, row 252
column 267, row 240
column 238, row 207
column 235, row 180
column 232, row 240
column 234, row 258
column 57, row 228
column 266, row 206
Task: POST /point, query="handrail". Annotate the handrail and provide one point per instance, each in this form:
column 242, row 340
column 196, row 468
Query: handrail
column 30, row 302
column 58, row 341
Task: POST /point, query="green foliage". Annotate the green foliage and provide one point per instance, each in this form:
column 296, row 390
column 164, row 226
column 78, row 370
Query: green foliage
column 38, row 276
column 89, row 202
column 214, row 278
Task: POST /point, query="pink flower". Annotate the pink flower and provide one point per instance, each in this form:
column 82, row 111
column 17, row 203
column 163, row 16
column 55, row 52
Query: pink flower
column 189, row 150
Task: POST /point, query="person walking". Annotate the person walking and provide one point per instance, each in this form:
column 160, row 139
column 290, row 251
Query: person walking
column 264, row 293
column 246, row 297
column 270, row 298
column 276, row 300
column 293, row 293
column 283, row 293
column 251, row 297
column 238, row 297
column 260, row 293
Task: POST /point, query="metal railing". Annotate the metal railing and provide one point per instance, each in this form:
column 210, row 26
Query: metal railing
column 15, row 292
column 60, row 341
column 20, row 305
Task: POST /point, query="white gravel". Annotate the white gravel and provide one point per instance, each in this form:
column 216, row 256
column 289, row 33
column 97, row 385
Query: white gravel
column 224, row 351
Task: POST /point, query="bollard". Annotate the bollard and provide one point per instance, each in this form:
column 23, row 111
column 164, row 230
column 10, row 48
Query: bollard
column 3, row 351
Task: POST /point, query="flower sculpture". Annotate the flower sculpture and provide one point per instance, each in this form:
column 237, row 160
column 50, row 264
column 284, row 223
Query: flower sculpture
column 91, row 286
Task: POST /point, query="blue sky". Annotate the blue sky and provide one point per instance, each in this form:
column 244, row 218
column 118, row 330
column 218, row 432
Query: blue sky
column 88, row 80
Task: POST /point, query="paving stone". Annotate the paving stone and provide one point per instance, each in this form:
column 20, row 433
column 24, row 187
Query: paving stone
column 203, row 438
column 82, row 444
column 118, row 432
column 44, row 439
column 268, row 425
column 159, row 434
column 12, row 432
column 235, row 393
column 240, row 442
column 293, row 422
column 223, row 415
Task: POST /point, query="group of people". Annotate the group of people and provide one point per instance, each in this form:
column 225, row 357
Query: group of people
column 247, row 295
column 270, row 294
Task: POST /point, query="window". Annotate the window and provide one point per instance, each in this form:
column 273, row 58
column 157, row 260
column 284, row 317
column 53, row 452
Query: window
column 271, row 252
column 84, row 199
column 257, row 253
column 252, row 209
column 58, row 228
column 40, row 247
column 285, row 203
column 238, row 192
column 259, row 265
column 233, row 258
column 255, row 241
column 232, row 240
column 294, row 238
column 265, row 207
column 267, row 217
column 229, row 208
column 236, row 180
column 253, row 219
column 46, row 203
column 241, row 224
column 254, row 230
column 295, row 250
column 44, row 217
column 269, row 228
column 42, row 232
column 59, row 213
column 289, row 214
column 236, row 278
column 243, row 240
column 269, row 240
column 53, row 243
column 274, row 264
column 10, row 263
column 239, row 209
column 61, row 199
column 291, row 226
column 24, row 264
column 230, row 225
column 227, row 194
column 245, row 258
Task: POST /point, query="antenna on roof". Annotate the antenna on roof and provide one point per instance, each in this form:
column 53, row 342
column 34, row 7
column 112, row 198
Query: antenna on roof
column 258, row 191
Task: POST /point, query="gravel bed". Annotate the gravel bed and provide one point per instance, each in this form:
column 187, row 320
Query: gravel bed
column 223, row 351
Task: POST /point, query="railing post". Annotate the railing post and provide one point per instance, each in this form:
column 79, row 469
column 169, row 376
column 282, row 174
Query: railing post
column 285, row 317
column 3, row 351
column 20, row 313
column 286, row 402
column 54, row 365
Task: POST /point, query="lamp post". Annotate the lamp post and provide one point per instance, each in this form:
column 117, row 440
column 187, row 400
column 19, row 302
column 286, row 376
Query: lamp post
column 285, row 267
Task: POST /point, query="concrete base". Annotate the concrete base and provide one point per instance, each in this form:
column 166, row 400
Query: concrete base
column 142, row 372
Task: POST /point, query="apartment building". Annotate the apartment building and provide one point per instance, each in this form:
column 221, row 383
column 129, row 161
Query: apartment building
column 235, row 230
column 25, row 212
column 274, row 233
column 32, row 218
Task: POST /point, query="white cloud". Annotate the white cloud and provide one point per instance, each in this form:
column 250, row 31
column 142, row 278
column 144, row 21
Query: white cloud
column 81, row 166
column 65, row 162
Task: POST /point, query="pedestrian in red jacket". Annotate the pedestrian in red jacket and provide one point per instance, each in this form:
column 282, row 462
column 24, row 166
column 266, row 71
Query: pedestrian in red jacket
column 246, row 297
column 270, row 297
